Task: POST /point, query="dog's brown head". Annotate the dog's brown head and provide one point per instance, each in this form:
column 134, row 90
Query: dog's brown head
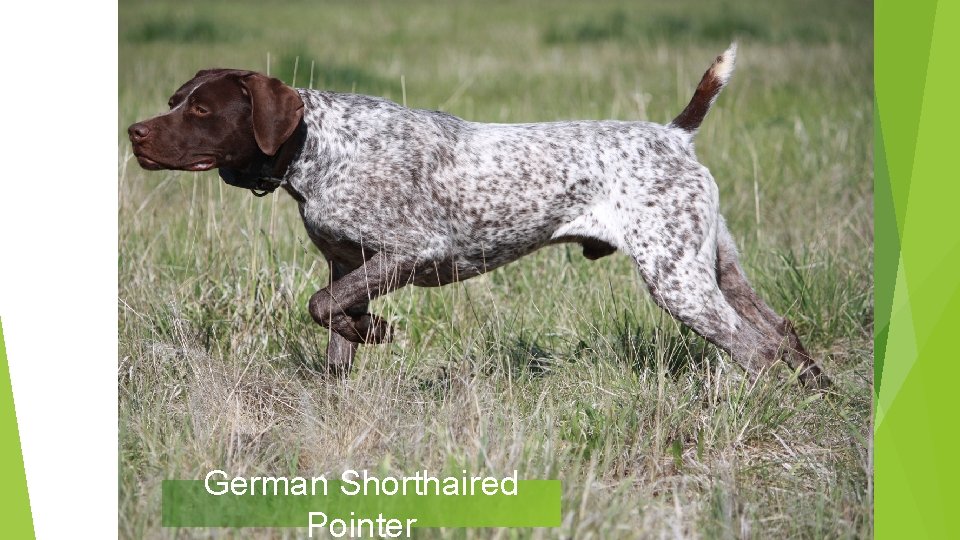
column 221, row 118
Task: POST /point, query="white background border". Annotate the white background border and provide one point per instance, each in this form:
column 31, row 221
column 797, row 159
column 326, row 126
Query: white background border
column 58, row 257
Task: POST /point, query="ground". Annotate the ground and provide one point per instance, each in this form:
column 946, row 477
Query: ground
column 554, row 365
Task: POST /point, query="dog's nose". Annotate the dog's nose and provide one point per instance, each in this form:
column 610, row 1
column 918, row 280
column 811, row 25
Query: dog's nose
column 138, row 132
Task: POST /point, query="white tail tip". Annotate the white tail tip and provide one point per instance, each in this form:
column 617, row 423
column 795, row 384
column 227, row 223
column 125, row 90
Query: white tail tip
column 723, row 67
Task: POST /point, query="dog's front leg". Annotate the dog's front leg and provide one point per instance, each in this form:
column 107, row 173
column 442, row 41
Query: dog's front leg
column 341, row 351
column 342, row 306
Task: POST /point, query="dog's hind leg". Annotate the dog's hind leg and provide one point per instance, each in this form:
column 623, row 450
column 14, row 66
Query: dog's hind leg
column 739, row 294
column 674, row 244
column 687, row 289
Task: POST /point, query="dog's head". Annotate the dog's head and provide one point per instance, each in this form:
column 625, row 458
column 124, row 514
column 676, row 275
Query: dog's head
column 221, row 118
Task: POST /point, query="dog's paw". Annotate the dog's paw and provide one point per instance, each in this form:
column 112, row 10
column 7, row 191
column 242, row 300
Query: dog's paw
column 378, row 330
column 367, row 329
column 815, row 379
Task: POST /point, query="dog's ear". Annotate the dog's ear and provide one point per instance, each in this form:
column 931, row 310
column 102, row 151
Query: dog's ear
column 276, row 110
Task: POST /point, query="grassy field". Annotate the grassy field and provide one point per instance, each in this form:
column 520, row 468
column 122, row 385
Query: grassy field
column 556, row 366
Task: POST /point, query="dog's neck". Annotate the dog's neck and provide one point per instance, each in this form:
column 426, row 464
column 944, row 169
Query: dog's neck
column 266, row 175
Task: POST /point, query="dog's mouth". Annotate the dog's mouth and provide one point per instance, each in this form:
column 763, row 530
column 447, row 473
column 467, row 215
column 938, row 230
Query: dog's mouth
column 204, row 164
column 148, row 163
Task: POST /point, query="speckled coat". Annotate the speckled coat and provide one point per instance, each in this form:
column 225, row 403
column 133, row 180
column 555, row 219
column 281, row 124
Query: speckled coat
column 453, row 199
column 433, row 187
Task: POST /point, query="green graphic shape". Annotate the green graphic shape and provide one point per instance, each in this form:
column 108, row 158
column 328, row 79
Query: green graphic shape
column 917, row 262
column 186, row 503
column 14, row 499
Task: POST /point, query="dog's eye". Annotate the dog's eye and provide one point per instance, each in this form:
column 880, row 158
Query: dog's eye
column 200, row 110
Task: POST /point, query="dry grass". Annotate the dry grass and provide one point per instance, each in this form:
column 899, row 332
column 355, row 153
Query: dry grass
column 555, row 366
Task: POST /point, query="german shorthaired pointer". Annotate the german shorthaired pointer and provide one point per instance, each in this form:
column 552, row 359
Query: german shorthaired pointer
column 393, row 196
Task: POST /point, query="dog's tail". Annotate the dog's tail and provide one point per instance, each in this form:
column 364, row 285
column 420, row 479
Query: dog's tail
column 707, row 91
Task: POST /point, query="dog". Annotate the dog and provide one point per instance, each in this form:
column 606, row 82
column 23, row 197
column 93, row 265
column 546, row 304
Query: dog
column 393, row 196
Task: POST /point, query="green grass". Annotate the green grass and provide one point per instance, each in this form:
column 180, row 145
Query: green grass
column 177, row 30
column 556, row 366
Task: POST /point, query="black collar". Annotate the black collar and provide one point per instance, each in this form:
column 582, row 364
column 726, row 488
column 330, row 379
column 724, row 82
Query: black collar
column 266, row 176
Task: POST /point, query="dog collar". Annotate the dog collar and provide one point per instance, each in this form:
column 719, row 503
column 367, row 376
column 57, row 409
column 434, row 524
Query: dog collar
column 266, row 178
